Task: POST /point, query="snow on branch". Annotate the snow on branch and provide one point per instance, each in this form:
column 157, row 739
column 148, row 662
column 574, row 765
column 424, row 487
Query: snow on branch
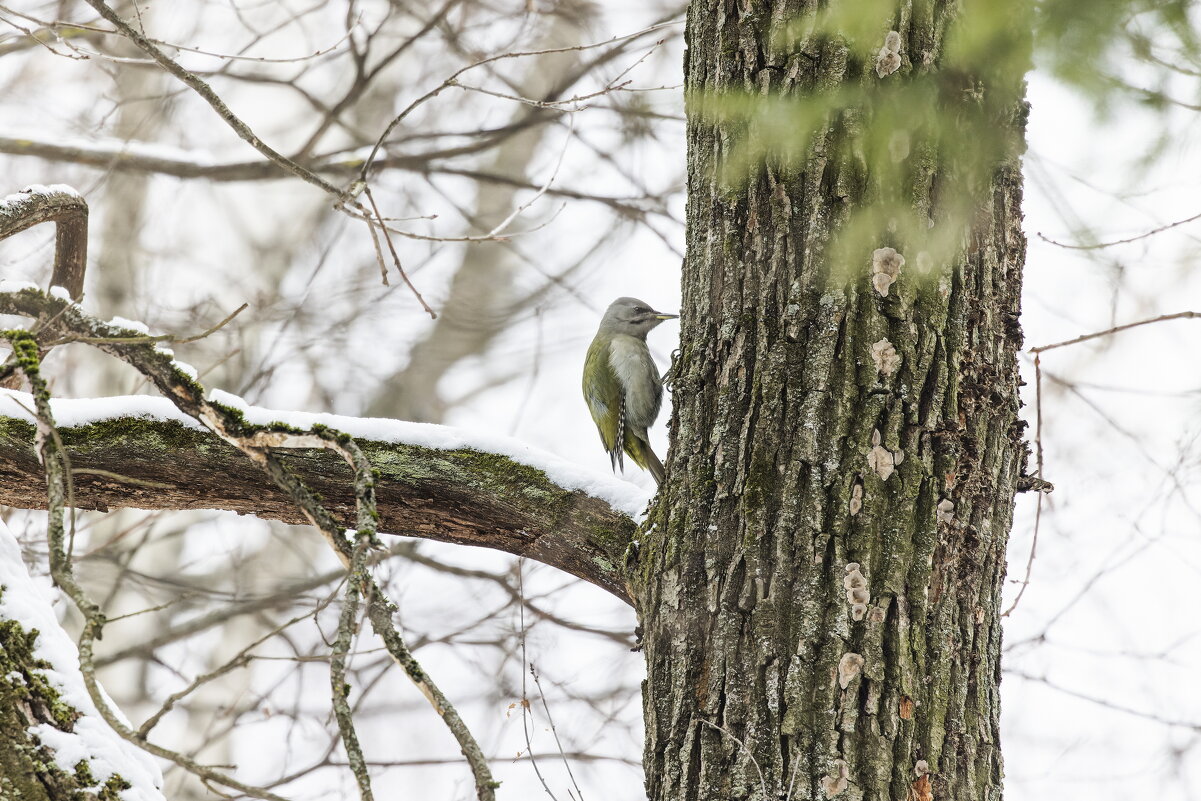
column 263, row 447
column 435, row 482
column 80, row 747
column 198, row 451
column 67, row 209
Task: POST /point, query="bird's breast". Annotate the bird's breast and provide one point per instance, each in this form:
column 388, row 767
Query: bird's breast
column 636, row 372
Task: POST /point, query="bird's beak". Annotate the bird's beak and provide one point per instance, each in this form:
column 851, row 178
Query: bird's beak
column 664, row 316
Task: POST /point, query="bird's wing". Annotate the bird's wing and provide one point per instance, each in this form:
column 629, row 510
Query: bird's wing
column 602, row 393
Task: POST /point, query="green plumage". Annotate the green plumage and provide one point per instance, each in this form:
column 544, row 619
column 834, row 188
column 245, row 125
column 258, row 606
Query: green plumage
column 602, row 393
column 622, row 386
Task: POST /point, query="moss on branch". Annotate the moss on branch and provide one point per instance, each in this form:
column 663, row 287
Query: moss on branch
column 461, row 496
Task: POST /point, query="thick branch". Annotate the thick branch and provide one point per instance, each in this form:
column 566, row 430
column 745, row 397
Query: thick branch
column 69, row 212
column 460, row 496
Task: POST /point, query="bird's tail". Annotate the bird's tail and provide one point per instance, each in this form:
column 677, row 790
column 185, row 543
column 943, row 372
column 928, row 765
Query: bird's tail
column 640, row 451
column 654, row 465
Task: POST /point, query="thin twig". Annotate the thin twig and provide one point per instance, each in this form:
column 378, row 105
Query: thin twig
column 379, row 254
column 392, row 250
column 379, row 611
column 1038, row 455
column 209, row 96
column 742, row 745
column 542, row 104
column 241, row 659
column 555, row 732
column 1127, row 241
column 1105, row 703
column 1185, row 315
column 168, row 338
column 452, row 80
column 215, row 328
column 1038, row 406
column 796, row 765
column 527, row 714
column 339, row 687
column 503, row 224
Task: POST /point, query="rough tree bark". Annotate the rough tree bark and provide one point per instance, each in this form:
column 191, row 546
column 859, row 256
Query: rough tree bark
column 819, row 580
column 819, row 586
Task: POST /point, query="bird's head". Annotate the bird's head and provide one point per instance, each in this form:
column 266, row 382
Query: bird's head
column 633, row 317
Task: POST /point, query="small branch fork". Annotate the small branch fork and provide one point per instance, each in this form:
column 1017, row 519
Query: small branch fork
column 1037, row 482
column 59, row 319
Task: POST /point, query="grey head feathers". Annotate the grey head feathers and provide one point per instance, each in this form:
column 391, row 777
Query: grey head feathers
column 632, row 317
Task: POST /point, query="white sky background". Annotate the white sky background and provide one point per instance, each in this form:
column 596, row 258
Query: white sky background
column 1108, row 615
column 1108, row 612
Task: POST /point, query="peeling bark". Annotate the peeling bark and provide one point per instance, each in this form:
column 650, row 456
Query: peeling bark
column 820, row 581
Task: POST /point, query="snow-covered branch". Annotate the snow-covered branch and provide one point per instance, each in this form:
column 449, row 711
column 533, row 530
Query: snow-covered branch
column 67, row 209
column 481, row 488
column 436, row 482
column 62, row 742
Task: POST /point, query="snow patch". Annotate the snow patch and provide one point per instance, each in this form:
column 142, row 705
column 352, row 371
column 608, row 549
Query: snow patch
column 185, row 368
column 15, row 285
column 132, row 325
column 71, row 413
column 39, row 189
column 30, row 606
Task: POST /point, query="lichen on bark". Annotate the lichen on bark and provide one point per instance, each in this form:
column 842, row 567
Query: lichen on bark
column 28, row 770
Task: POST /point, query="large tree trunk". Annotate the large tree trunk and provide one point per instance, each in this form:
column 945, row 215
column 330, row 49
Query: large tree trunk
column 817, row 623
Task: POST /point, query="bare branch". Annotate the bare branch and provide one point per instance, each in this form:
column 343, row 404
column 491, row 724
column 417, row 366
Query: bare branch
column 453, row 81
column 67, row 209
column 209, row 96
column 1106, row 703
column 1185, row 315
column 121, row 156
column 1126, row 241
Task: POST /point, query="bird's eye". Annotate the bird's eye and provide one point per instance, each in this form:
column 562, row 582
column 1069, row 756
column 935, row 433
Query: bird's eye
column 642, row 310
